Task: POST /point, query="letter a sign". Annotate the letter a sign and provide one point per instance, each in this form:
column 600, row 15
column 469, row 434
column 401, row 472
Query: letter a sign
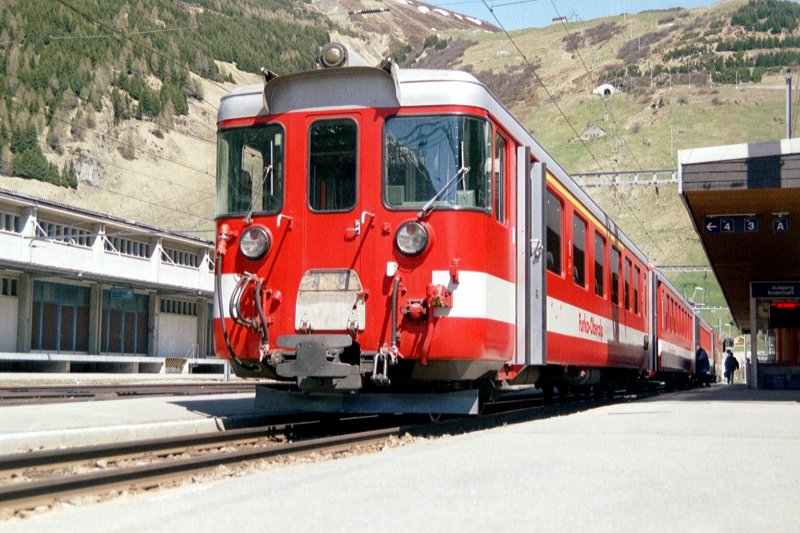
column 780, row 224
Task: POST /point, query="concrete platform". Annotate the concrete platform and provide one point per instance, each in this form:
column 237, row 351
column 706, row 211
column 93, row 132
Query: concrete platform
column 57, row 425
column 719, row 459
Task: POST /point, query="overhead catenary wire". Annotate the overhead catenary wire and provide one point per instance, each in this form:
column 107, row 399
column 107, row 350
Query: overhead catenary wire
column 111, row 138
column 169, row 207
column 120, row 37
column 542, row 84
column 611, row 115
column 564, row 116
column 107, row 36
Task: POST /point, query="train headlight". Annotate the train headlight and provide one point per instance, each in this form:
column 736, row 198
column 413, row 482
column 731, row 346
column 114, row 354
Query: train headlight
column 333, row 55
column 254, row 242
column 411, row 238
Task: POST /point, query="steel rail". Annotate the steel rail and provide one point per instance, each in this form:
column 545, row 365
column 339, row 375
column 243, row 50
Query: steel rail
column 26, row 493
column 10, row 395
column 18, row 461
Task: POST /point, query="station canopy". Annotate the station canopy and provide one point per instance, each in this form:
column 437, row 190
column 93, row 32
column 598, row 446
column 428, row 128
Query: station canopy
column 744, row 201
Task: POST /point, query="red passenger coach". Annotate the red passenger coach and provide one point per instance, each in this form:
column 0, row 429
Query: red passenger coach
column 395, row 240
column 710, row 342
column 674, row 355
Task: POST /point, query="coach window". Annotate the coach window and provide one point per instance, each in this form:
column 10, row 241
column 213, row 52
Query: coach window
column 332, row 158
column 553, row 210
column 599, row 265
column 614, row 276
column 499, row 179
column 636, row 274
column 250, row 170
column 578, row 251
column 627, row 274
column 437, row 162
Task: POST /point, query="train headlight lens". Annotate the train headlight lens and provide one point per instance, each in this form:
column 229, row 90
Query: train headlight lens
column 333, row 55
column 254, row 242
column 411, row 238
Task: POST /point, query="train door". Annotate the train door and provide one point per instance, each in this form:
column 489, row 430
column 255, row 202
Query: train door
column 335, row 228
column 655, row 320
column 531, row 268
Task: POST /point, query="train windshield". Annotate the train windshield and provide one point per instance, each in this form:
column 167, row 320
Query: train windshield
column 437, row 161
column 250, row 170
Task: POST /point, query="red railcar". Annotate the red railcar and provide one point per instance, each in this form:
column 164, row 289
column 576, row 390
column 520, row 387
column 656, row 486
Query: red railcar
column 386, row 236
column 710, row 342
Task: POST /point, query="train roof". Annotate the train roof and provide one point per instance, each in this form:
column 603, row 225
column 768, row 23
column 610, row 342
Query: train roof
column 367, row 87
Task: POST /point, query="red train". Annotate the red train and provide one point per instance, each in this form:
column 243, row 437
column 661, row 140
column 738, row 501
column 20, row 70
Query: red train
column 396, row 240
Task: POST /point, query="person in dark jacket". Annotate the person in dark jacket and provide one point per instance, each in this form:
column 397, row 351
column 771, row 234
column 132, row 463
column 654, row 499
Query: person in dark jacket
column 702, row 367
column 731, row 366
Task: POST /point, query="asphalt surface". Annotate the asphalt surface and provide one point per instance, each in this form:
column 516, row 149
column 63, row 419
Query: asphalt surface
column 719, row 459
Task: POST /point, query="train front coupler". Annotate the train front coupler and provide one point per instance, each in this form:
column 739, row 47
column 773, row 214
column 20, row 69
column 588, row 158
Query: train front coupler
column 316, row 365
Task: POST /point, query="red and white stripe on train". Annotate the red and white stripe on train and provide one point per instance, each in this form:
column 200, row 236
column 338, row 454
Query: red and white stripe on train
column 398, row 230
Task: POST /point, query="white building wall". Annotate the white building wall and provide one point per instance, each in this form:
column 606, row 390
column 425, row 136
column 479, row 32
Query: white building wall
column 9, row 311
column 177, row 335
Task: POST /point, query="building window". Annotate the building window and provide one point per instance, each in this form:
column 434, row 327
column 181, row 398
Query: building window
column 65, row 233
column 553, row 210
column 126, row 320
column 180, row 258
column 8, row 287
column 578, row 251
column 129, row 247
column 178, row 307
column 60, row 317
column 10, row 222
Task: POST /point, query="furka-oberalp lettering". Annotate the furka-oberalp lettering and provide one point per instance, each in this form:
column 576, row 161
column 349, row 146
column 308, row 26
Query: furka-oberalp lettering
column 589, row 327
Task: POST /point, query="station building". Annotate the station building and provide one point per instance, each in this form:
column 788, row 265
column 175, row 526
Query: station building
column 744, row 201
column 83, row 291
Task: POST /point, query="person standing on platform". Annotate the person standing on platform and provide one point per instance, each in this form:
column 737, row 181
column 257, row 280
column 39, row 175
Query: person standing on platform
column 731, row 366
column 702, row 367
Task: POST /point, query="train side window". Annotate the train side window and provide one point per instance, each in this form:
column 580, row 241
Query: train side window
column 615, row 256
column 578, row 251
column 644, row 294
column 599, row 265
column 627, row 274
column 499, row 178
column 553, row 209
column 332, row 168
column 636, row 275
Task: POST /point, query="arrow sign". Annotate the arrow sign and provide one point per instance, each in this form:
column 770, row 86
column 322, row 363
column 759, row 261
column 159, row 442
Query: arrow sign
column 710, row 226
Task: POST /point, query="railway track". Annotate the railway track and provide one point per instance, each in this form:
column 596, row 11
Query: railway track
column 41, row 478
column 23, row 394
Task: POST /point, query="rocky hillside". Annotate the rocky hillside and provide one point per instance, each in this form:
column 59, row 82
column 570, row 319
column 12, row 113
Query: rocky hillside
column 115, row 103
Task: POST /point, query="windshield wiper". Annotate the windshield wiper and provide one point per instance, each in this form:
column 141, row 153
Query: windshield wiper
column 258, row 192
column 428, row 207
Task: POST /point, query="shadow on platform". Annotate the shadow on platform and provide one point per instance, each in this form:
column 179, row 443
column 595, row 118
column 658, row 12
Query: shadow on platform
column 728, row 393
